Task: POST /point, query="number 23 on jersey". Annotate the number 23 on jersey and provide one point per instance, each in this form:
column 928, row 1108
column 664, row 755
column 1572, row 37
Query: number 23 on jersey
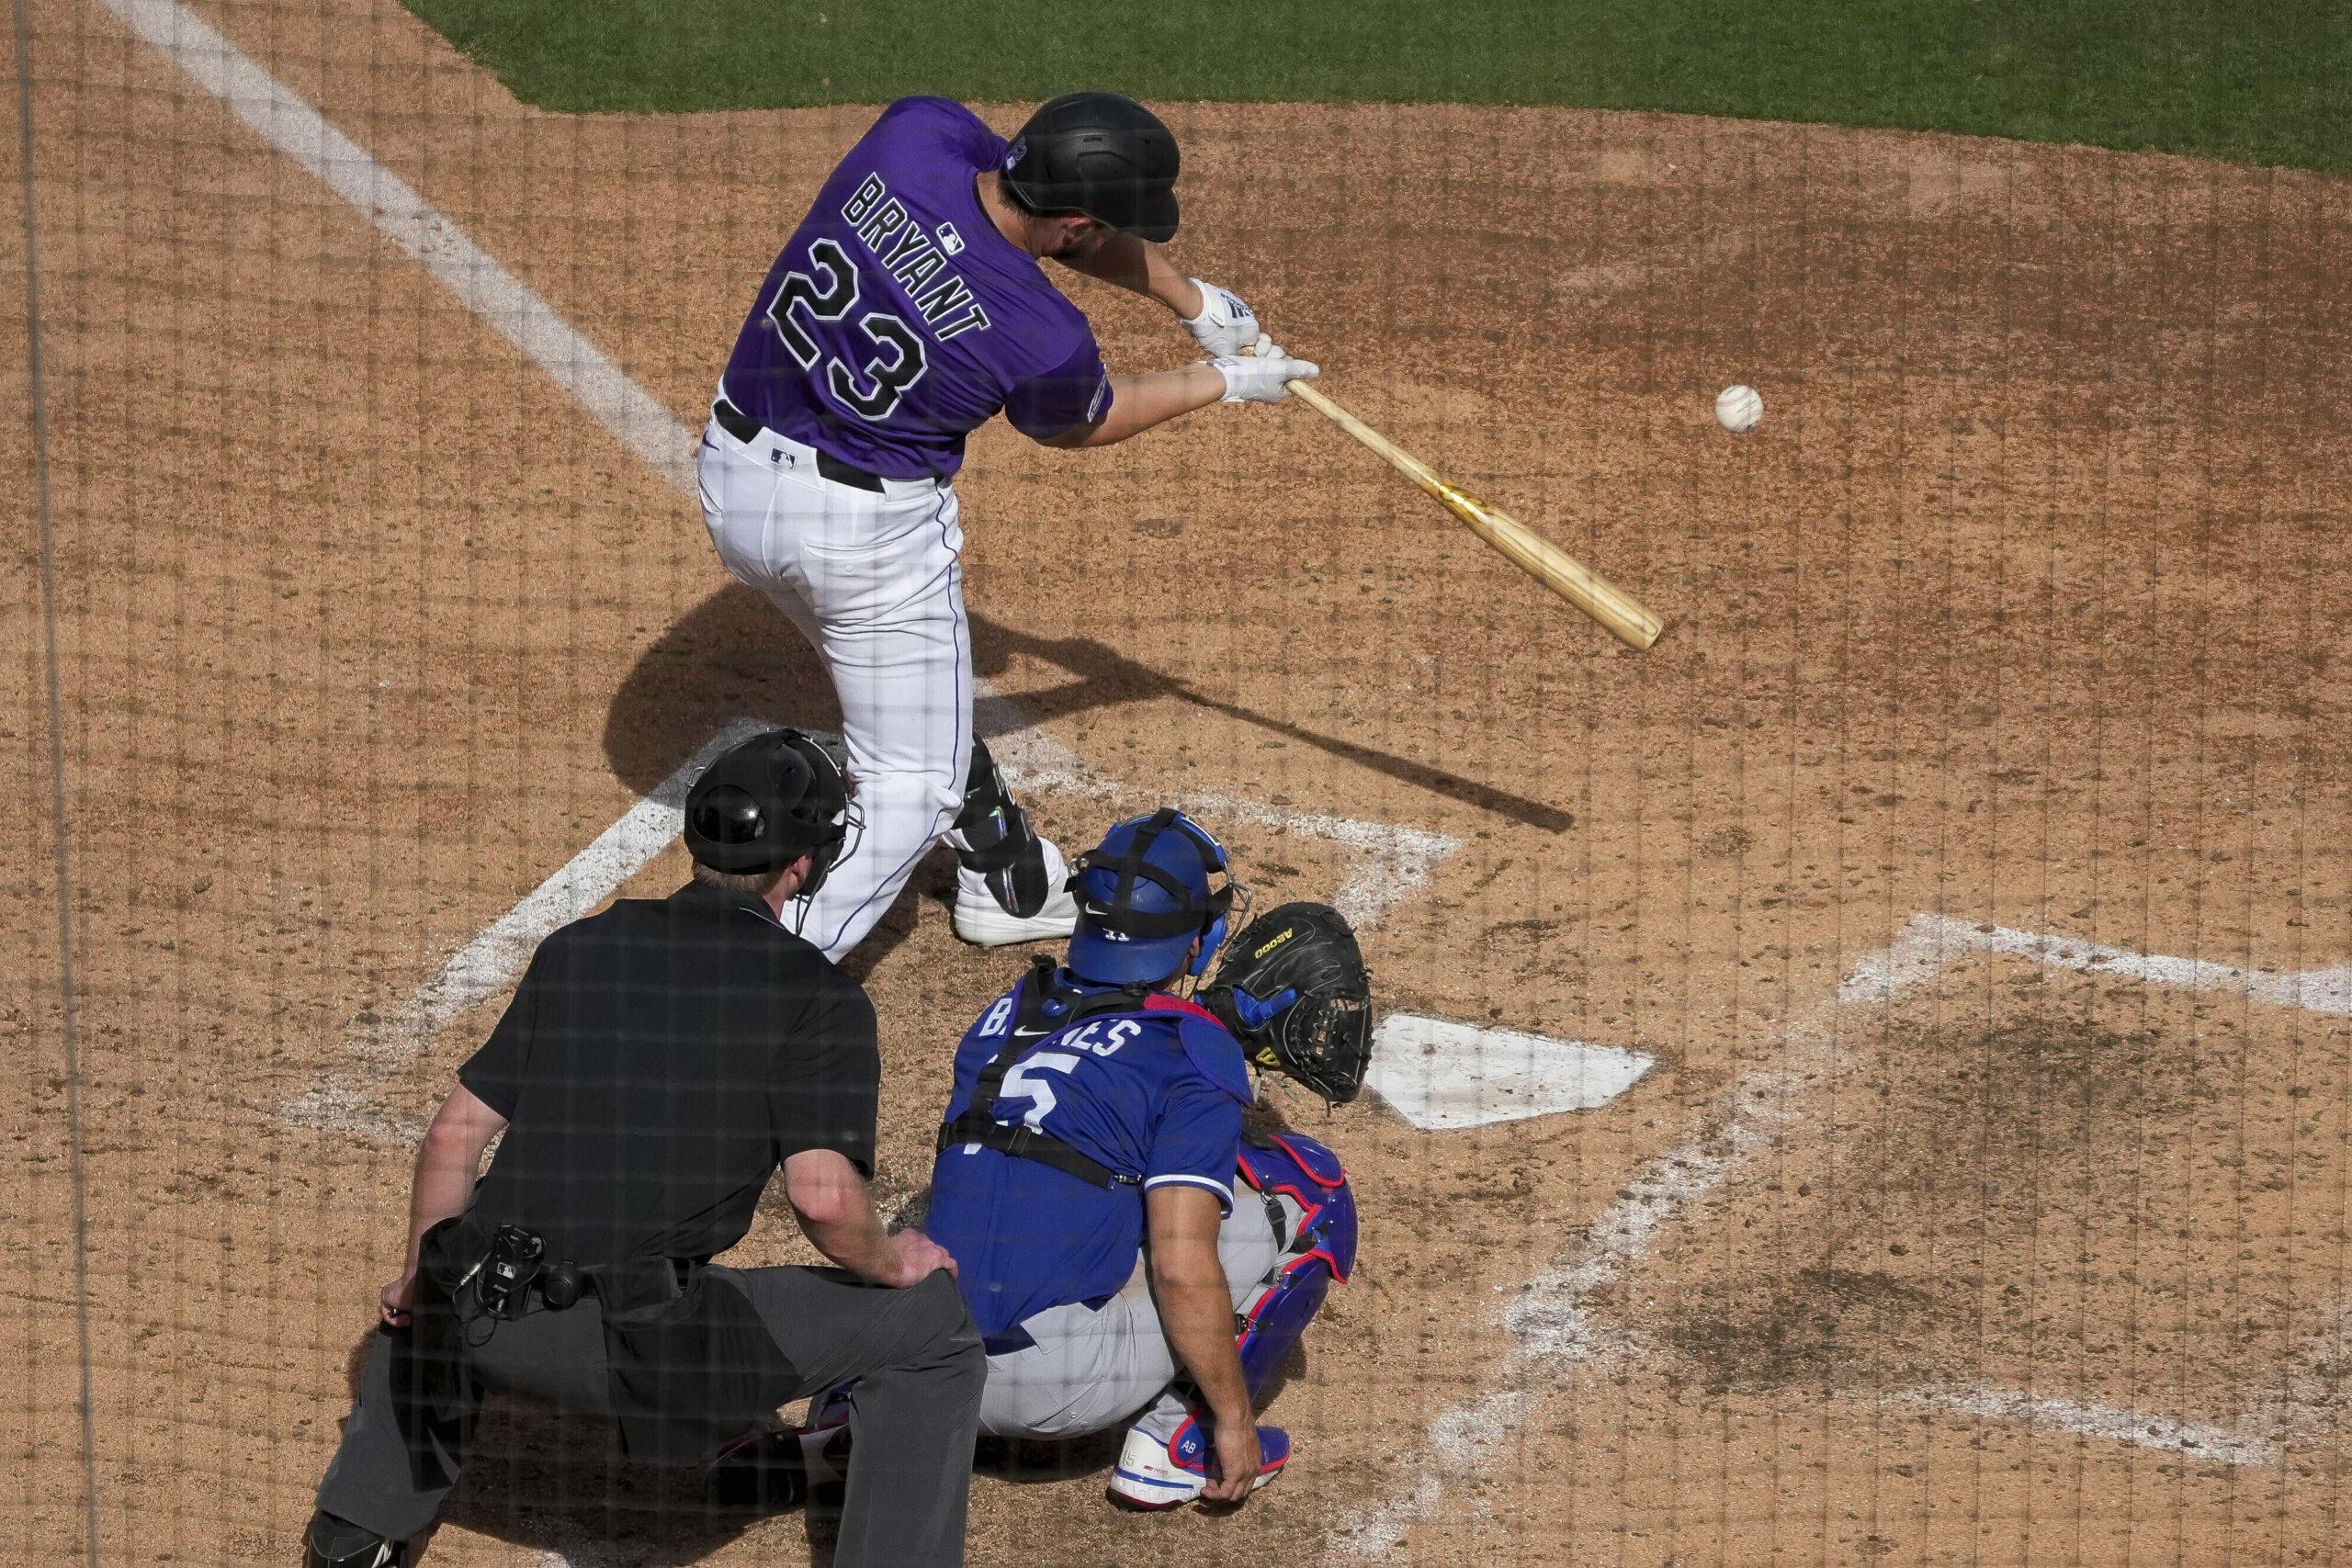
column 827, row 294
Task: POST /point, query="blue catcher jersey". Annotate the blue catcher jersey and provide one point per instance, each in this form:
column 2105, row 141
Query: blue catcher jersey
column 1155, row 1095
column 896, row 318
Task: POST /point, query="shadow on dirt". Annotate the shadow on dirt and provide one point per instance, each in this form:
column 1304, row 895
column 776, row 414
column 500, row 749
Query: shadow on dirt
column 734, row 655
column 558, row 1484
column 1020, row 1460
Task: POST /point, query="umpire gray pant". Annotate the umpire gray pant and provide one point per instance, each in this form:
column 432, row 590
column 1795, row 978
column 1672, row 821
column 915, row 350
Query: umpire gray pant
column 914, row 1353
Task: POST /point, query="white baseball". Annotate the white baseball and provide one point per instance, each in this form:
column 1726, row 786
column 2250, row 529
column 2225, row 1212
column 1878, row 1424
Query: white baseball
column 1738, row 409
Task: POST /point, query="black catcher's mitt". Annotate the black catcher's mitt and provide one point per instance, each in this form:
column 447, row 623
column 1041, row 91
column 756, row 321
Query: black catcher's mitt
column 1321, row 1034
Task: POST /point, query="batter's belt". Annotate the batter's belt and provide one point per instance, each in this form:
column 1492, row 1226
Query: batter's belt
column 746, row 429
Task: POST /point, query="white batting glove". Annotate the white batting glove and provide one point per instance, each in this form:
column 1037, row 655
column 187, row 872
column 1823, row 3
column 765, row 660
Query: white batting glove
column 1265, row 376
column 1225, row 325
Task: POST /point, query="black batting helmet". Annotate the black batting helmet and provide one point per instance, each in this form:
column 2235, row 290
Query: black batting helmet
column 1098, row 153
column 763, row 804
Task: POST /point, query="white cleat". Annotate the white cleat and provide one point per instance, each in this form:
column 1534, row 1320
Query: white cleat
column 1158, row 1468
column 982, row 919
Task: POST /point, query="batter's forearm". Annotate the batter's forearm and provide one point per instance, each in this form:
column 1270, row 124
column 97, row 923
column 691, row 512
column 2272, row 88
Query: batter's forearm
column 1138, row 402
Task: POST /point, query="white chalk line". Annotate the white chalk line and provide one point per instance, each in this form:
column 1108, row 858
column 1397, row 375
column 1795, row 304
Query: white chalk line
column 1552, row 1331
column 1886, row 974
column 420, row 231
column 1394, row 862
column 2041, row 1413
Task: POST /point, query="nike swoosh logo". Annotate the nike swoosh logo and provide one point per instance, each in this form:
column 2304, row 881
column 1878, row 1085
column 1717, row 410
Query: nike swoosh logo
column 1030, row 1034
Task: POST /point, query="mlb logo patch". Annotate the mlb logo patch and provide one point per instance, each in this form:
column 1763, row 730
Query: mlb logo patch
column 949, row 240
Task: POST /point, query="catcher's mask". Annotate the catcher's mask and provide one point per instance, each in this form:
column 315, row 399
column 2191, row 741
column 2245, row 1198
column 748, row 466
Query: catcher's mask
column 1143, row 895
column 763, row 804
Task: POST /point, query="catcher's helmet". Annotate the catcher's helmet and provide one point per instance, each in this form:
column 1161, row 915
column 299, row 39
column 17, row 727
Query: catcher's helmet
column 1098, row 153
column 763, row 804
column 1143, row 896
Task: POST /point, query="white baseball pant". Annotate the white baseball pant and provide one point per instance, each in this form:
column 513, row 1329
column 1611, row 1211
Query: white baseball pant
column 876, row 584
column 1095, row 1367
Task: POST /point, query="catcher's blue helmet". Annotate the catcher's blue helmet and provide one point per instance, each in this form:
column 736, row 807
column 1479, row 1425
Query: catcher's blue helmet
column 1143, row 895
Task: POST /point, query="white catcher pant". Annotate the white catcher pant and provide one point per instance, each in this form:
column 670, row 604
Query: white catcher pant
column 1093, row 1368
column 876, row 584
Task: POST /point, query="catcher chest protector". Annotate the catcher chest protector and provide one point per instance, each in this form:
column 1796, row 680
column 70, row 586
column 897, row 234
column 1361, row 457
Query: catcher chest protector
column 1045, row 1013
column 1321, row 1249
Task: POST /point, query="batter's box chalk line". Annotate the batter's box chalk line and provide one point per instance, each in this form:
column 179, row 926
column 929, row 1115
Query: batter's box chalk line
column 1556, row 1333
column 1388, row 863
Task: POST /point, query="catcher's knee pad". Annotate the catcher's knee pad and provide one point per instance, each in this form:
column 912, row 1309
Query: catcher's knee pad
column 998, row 842
column 1290, row 1171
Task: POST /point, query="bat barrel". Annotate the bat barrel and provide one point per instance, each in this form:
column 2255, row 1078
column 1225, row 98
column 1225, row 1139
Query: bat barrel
column 1618, row 611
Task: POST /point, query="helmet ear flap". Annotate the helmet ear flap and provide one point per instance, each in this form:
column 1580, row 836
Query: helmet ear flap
column 1211, row 940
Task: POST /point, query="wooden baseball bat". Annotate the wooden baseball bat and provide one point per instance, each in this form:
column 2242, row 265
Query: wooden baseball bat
column 1619, row 611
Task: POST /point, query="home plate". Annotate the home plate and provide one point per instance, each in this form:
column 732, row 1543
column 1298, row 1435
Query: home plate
column 1441, row 1075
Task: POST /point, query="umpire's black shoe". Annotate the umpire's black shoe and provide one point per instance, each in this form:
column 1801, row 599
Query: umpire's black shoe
column 331, row 1542
column 761, row 1475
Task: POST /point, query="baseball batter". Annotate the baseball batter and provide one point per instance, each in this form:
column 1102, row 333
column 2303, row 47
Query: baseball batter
column 907, row 310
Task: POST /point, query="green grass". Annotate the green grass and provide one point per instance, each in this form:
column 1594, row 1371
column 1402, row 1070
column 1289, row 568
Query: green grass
column 2260, row 81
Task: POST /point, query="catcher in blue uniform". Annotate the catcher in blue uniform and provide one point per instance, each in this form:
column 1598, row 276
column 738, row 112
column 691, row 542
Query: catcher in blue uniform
column 1097, row 1125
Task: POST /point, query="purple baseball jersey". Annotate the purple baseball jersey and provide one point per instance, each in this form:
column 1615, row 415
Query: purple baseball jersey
column 897, row 319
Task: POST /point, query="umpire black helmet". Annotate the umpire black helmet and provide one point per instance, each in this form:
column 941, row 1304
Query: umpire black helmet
column 1098, row 153
column 763, row 804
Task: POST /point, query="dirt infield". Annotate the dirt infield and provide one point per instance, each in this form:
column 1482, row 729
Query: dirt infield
column 2026, row 609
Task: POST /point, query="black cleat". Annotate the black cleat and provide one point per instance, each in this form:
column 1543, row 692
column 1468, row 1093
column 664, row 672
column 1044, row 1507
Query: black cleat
column 761, row 1474
column 331, row 1542
column 1010, row 886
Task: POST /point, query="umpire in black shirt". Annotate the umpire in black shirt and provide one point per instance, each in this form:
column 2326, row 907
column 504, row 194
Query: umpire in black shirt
column 657, row 1063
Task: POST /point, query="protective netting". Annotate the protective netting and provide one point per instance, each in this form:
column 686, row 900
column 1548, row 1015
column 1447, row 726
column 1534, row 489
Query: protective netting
column 1865, row 1079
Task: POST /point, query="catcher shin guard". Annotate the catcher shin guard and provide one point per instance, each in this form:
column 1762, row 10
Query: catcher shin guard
column 1308, row 1197
column 1010, row 886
